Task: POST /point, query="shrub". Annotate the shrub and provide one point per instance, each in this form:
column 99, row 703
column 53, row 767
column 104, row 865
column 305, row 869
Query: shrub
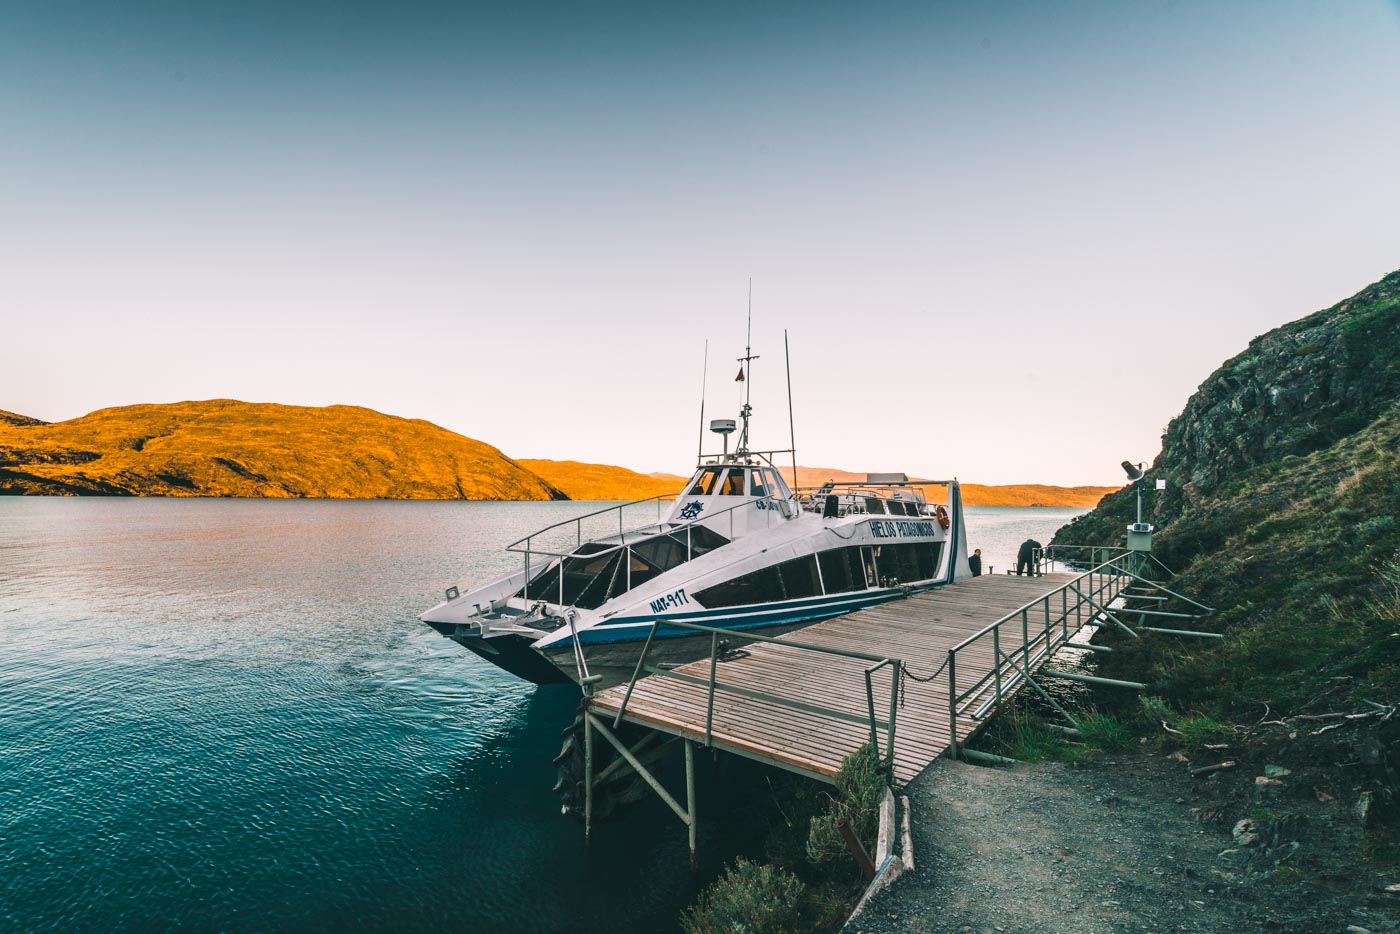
column 749, row 899
column 1105, row 732
column 861, row 789
column 1025, row 736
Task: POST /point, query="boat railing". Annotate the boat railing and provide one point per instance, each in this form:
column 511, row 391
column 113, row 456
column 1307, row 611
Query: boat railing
column 851, row 497
column 713, row 685
column 768, row 505
column 576, row 522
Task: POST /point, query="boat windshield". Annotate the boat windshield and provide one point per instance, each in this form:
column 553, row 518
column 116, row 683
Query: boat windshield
column 735, row 481
column 593, row 575
column 705, row 482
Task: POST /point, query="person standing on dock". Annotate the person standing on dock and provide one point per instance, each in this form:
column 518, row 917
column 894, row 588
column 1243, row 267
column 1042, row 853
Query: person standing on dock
column 975, row 562
column 1025, row 557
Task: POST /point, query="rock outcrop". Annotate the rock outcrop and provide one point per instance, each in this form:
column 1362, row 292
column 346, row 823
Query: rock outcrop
column 1299, row 389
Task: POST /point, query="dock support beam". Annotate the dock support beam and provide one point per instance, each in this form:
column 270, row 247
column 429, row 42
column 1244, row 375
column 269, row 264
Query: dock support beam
column 1092, row 679
column 587, row 776
column 690, row 797
column 687, row 815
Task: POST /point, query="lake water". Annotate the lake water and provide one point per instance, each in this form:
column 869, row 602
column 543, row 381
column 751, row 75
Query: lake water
column 222, row 715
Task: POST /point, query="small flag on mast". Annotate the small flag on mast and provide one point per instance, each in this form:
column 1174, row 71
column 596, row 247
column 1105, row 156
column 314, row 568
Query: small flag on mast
column 740, row 377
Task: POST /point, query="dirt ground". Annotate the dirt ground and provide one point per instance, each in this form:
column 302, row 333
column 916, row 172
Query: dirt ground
column 1126, row 843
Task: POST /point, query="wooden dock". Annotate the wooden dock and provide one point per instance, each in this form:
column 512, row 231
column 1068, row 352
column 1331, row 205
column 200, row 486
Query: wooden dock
column 751, row 712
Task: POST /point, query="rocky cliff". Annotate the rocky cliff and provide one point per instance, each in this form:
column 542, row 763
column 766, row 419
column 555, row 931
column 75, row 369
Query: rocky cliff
column 228, row 448
column 1297, row 390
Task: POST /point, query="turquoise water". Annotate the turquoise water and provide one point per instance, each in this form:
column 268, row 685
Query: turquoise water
column 222, row 715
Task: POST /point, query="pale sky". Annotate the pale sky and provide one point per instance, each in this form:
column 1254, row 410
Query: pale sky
column 1008, row 240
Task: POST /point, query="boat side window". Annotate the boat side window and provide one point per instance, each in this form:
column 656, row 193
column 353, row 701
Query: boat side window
column 800, row 578
column 762, row 586
column 909, row 562
column 774, row 481
column 662, row 553
column 704, row 483
column 703, row 540
column 759, row 483
column 874, row 505
column 733, row 484
column 872, row 576
column 841, row 570
column 928, row 554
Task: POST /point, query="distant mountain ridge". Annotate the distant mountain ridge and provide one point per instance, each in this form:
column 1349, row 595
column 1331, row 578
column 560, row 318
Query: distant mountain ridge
column 602, row 482
column 222, row 447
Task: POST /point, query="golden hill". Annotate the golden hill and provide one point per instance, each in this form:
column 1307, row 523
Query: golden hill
column 228, row 448
column 601, row 481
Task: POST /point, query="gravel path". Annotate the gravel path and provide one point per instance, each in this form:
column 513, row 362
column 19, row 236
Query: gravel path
column 1112, row 847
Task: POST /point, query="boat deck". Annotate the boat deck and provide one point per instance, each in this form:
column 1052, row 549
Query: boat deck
column 918, row 631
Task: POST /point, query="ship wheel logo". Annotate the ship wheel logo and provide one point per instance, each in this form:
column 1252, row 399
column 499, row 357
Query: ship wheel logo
column 692, row 510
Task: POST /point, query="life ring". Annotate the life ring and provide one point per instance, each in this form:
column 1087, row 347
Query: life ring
column 942, row 513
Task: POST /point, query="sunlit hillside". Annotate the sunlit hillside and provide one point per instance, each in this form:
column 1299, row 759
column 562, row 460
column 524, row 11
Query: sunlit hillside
column 601, row 481
column 228, row 448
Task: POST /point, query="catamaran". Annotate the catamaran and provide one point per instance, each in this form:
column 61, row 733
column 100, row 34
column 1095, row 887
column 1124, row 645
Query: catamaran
column 738, row 549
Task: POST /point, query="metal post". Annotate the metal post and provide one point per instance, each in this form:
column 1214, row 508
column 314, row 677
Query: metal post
column 894, row 704
column 1047, row 627
column 641, row 660
column 870, row 711
column 1064, row 614
column 690, row 797
column 587, row 776
column 996, row 660
column 1025, row 635
column 953, row 702
column 710, row 705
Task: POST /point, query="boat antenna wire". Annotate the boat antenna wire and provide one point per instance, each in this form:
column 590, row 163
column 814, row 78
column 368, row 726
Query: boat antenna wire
column 704, row 375
column 792, row 436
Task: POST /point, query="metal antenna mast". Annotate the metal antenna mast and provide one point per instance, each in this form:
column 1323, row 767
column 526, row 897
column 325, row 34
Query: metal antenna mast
column 745, row 372
column 792, row 436
column 704, row 376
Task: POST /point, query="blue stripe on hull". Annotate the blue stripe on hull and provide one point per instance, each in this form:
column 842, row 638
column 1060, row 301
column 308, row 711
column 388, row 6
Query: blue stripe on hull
column 636, row 628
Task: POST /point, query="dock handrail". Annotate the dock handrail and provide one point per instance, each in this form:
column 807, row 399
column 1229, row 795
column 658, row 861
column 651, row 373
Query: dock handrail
column 1051, row 553
column 713, row 685
column 1010, row 667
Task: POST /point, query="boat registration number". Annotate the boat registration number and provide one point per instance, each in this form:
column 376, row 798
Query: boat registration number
column 671, row 600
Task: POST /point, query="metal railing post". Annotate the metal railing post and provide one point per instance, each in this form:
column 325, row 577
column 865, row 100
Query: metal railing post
column 641, row 660
column 953, row 702
column 870, row 712
column 996, row 660
column 1047, row 626
column 894, row 704
column 1025, row 635
column 710, row 704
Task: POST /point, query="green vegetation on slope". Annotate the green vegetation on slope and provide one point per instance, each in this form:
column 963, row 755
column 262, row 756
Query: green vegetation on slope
column 1282, row 510
column 228, row 448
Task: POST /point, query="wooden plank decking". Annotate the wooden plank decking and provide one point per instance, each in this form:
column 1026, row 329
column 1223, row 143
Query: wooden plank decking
column 918, row 631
